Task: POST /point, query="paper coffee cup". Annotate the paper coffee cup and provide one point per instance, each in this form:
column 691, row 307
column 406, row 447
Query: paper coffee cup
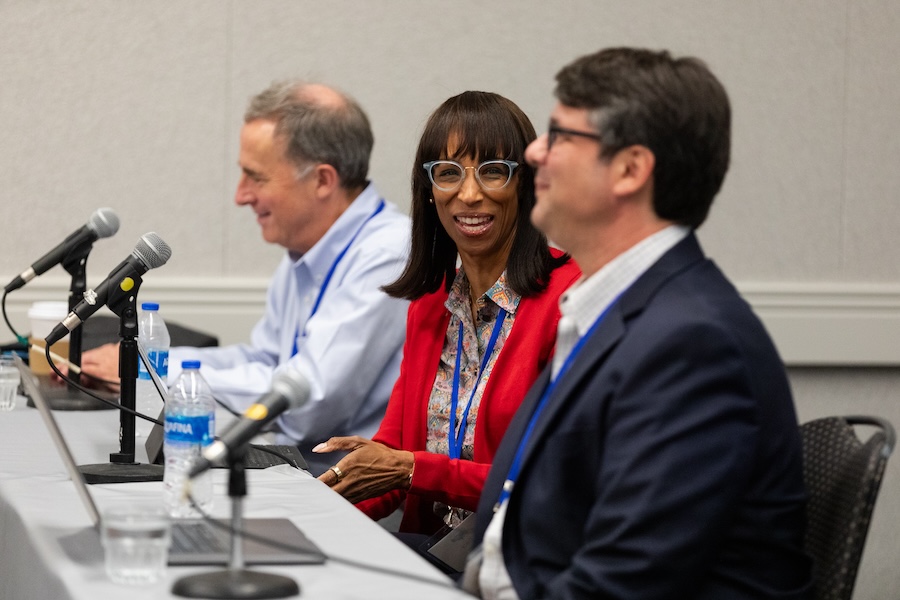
column 44, row 316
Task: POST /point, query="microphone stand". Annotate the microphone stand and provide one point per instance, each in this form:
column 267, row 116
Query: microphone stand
column 76, row 264
column 67, row 396
column 236, row 581
column 122, row 467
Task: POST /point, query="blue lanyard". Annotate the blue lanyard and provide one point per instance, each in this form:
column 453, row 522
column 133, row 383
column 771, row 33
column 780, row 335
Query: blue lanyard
column 516, row 465
column 331, row 271
column 457, row 435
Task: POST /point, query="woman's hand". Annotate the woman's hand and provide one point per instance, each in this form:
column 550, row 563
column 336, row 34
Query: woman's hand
column 369, row 470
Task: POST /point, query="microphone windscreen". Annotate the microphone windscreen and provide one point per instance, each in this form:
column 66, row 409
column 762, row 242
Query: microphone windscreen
column 152, row 251
column 291, row 384
column 104, row 222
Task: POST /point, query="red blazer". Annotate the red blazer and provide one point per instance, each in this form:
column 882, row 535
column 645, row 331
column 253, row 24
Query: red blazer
column 525, row 353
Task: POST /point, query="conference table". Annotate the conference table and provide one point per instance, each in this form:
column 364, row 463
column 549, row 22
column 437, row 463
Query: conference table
column 49, row 549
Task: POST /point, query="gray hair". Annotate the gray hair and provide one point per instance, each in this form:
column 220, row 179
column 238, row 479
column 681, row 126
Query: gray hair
column 320, row 125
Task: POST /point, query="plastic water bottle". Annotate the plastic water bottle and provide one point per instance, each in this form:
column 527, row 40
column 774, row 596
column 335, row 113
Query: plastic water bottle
column 190, row 427
column 155, row 338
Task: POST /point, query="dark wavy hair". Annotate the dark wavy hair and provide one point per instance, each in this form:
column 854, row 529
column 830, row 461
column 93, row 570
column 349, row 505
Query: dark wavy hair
column 674, row 106
column 487, row 126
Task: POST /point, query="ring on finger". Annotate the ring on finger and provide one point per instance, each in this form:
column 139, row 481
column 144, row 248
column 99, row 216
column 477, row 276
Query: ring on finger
column 337, row 473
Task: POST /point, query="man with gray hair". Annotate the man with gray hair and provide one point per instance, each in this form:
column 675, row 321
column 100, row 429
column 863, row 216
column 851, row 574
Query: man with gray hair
column 304, row 157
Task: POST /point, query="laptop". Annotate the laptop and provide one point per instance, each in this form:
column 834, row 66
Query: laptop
column 290, row 546
column 256, row 456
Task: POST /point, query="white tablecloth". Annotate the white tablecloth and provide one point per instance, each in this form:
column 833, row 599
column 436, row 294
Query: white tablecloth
column 49, row 549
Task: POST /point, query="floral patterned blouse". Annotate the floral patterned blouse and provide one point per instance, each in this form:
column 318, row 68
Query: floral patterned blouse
column 476, row 337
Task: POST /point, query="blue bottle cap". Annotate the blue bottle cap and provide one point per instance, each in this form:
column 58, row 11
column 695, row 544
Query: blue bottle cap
column 190, row 364
column 150, row 306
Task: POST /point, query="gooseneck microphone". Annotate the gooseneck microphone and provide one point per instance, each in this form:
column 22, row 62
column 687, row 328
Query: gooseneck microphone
column 149, row 253
column 103, row 223
column 290, row 389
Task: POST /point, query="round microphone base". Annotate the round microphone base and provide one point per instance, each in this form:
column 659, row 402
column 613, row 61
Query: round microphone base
column 235, row 583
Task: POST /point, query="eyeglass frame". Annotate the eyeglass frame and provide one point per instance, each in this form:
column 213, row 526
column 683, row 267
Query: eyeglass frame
column 513, row 165
column 554, row 132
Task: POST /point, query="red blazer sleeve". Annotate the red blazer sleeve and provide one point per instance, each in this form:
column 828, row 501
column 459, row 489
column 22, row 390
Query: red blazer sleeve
column 526, row 351
column 404, row 425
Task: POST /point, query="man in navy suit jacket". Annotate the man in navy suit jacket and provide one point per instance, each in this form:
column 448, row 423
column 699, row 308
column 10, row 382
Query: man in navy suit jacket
column 660, row 457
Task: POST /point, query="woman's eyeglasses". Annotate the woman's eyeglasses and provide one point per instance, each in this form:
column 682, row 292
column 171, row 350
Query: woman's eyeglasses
column 448, row 175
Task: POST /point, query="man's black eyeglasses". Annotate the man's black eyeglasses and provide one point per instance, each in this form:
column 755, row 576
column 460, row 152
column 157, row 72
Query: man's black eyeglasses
column 554, row 132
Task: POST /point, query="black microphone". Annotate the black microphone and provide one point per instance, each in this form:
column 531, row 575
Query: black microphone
column 290, row 389
column 103, row 223
column 149, row 253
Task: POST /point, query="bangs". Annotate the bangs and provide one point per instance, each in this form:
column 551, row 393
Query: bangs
column 478, row 126
column 480, row 139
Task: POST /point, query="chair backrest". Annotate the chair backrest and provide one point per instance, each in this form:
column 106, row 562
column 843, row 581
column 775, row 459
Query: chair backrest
column 843, row 476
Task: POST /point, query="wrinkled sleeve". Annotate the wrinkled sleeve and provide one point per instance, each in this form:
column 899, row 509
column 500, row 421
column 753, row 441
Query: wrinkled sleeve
column 348, row 345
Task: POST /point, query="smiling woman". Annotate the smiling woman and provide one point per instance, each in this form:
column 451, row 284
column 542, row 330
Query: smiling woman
column 477, row 337
column 478, row 213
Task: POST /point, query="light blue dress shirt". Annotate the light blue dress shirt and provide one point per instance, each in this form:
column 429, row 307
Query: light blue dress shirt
column 349, row 350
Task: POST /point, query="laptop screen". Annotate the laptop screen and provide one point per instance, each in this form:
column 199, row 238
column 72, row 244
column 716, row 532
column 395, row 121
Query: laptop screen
column 293, row 546
column 34, row 392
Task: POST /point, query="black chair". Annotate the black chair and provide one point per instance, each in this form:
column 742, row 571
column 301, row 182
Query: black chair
column 842, row 476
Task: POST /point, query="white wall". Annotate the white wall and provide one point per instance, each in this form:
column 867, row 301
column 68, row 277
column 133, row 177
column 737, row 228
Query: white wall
column 137, row 106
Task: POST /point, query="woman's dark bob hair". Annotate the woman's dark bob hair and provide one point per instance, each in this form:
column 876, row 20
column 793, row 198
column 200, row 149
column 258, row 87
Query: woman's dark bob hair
column 487, row 126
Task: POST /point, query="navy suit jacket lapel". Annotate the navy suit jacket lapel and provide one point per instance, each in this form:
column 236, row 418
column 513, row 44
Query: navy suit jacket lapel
column 590, row 359
column 607, row 336
column 586, row 363
column 506, row 453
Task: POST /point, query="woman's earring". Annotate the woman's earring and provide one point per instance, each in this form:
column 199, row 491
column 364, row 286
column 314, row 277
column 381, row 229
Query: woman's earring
column 431, row 201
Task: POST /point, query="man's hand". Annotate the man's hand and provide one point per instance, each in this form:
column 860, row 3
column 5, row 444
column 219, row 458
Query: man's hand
column 99, row 367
